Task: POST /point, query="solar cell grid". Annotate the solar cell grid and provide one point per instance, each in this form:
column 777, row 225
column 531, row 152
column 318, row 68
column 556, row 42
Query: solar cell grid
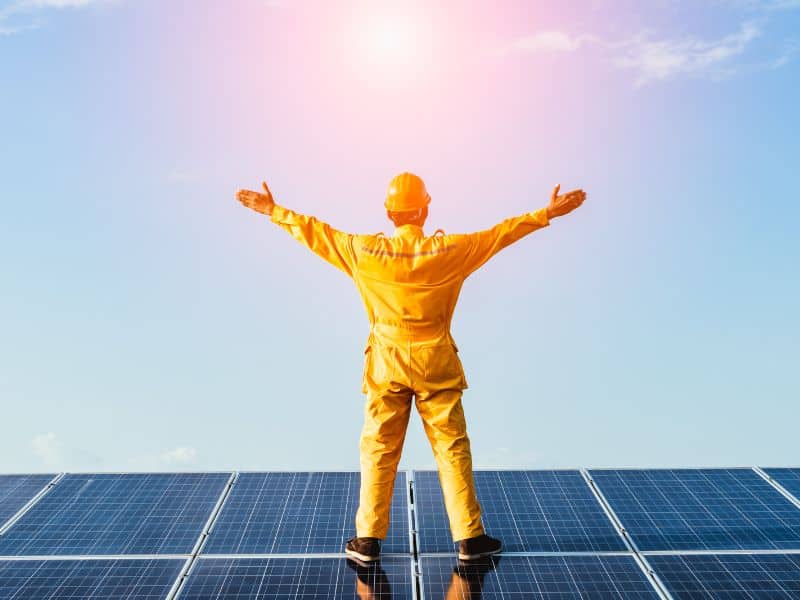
column 289, row 513
column 700, row 509
column 698, row 576
column 544, row 577
column 90, row 579
column 17, row 490
column 530, row 511
column 789, row 479
column 101, row 514
column 297, row 578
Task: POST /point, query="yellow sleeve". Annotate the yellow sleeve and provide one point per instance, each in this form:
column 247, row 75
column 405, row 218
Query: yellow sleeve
column 483, row 245
column 331, row 244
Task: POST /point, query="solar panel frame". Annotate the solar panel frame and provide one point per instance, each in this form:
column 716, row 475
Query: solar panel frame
column 729, row 575
column 547, row 577
column 88, row 578
column 787, row 480
column 732, row 527
column 535, row 511
column 129, row 513
column 267, row 495
column 328, row 577
column 17, row 491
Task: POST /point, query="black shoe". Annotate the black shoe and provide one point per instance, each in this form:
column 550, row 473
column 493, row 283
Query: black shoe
column 476, row 547
column 364, row 549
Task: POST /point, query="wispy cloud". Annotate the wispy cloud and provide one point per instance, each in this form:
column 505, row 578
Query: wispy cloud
column 655, row 60
column 47, row 447
column 179, row 456
column 21, row 15
column 546, row 41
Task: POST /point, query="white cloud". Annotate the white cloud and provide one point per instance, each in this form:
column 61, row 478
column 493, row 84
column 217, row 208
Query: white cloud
column 667, row 58
column 47, row 447
column 19, row 15
column 180, row 455
column 654, row 59
column 547, row 41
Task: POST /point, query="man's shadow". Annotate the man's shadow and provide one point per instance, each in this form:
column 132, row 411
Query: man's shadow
column 466, row 581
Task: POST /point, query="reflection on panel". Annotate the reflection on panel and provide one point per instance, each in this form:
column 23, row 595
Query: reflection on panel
column 545, row 577
column 297, row 578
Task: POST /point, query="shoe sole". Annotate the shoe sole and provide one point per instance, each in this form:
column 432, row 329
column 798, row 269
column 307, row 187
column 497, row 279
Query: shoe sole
column 479, row 555
column 364, row 559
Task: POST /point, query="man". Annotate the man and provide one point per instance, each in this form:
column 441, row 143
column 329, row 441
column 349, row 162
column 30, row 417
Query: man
column 410, row 284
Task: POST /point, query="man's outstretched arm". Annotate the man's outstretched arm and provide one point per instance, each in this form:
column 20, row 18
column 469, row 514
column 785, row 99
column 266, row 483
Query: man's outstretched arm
column 334, row 246
column 485, row 244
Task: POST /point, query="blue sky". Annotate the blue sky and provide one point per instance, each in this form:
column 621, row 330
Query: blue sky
column 150, row 322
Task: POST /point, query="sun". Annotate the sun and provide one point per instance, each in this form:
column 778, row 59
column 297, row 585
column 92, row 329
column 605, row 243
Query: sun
column 389, row 41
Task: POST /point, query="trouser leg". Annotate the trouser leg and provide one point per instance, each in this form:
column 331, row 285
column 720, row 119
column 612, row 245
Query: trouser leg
column 446, row 428
column 385, row 422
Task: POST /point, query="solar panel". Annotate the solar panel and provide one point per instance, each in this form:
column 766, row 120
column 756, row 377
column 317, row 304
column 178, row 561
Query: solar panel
column 286, row 513
column 700, row 509
column 530, row 511
column 547, row 577
column 90, row 579
column 789, row 479
column 297, row 578
column 17, row 490
column 765, row 576
column 157, row 513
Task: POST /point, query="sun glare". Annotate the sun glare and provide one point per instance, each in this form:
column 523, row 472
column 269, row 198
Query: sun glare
column 389, row 41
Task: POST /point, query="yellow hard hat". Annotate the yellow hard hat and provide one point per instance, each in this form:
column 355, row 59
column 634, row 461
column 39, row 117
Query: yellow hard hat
column 406, row 192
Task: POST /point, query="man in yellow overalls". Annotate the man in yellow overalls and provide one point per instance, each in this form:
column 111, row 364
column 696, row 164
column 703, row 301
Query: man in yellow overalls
column 410, row 284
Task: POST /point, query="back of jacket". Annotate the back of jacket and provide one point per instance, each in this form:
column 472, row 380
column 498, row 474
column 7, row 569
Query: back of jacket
column 409, row 282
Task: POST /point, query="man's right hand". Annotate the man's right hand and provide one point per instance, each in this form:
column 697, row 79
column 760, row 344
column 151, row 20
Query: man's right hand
column 565, row 203
column 259, row 202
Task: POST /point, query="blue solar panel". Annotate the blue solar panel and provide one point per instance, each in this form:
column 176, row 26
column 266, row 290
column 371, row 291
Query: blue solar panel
column 287, row 513
column 158, row 513
column 17, row 490
column 789, row 479
column 767, row 576
column 90, row 579
column 700, row 509
column 547, row 577
column 530, row 511
column 297, row 578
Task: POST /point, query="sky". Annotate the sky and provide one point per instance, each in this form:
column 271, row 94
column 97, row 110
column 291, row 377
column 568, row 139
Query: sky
column 150, row 322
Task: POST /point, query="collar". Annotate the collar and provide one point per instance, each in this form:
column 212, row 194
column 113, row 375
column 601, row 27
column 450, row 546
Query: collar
column 409, row 230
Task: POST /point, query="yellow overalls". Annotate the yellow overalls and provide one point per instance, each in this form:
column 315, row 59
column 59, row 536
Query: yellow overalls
column 410, row 284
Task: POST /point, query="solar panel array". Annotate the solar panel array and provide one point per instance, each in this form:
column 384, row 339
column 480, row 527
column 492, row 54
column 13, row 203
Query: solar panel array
column 306, row 513
column 625, row 533
column 531, row 511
